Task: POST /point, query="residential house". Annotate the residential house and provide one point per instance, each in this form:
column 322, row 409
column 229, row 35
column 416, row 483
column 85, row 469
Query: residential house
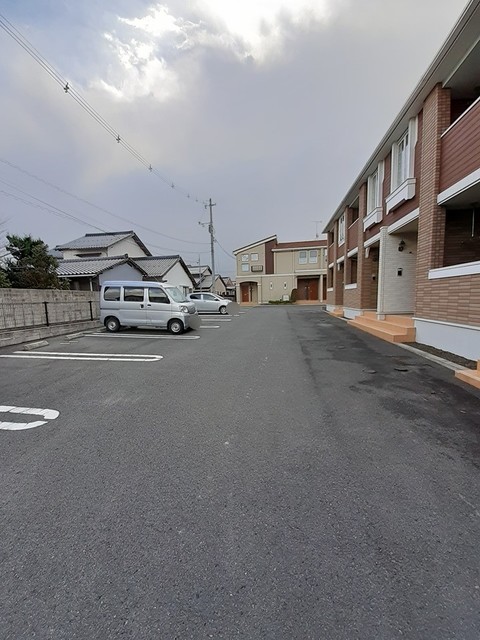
column 269, row 270
column 88, row 274
column 104, row 245
column 202, row 275
column 168, row 269
column 404, row 243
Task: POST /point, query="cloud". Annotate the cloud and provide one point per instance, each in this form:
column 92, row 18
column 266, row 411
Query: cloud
column 271, row 108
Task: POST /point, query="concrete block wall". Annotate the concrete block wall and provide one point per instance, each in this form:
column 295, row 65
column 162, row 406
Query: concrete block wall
column 24, row 308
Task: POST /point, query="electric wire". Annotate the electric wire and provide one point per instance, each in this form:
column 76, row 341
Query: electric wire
column 27, row 46
column 91, row 204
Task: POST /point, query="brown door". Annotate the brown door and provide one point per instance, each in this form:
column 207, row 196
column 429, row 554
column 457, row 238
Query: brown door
column 307, row 289
column 245, row 290
column 313, row 289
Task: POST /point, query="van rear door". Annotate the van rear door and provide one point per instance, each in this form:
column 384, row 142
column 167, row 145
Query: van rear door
column 159, row 307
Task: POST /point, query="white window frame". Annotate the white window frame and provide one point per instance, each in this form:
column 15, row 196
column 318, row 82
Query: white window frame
column 245, row 267
column 312, row 256
column 403, row 156
column 254, row 257
column 341, row 230
column 302, row 259
column 245, row 257
column 374, row 197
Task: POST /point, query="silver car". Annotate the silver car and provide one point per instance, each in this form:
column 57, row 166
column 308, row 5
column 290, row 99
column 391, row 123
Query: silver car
column 209, row 302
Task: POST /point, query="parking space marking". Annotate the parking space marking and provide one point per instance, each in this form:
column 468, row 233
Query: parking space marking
column 101, row 357
column 216, row 319
column 135, row 337
column 48, row 414
column 211, row 326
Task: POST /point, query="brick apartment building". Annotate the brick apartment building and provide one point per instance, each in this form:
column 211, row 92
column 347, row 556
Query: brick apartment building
column 269, row 270
column 404, row 243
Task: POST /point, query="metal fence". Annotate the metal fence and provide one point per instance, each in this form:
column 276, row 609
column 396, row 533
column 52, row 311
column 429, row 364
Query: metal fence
column 26, row 315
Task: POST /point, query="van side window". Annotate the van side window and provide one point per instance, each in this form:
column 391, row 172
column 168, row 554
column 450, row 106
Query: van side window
column 111, row 293
column 195, row 296
column 133, row 294
column 158, row 295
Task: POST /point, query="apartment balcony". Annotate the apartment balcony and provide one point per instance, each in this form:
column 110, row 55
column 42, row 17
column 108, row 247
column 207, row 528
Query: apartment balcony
column 460, row 160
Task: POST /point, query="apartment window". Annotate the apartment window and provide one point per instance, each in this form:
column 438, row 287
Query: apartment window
column 373, row 192
column 302, row 257
column 353, row 215
column 245, row 257
column 352, row 269
column 402, row 168
column 402, row 156
column 330, row 237
column 313, row 256
column 330, row 277
column 254, row 257
column 341, row 229
column 245, row 267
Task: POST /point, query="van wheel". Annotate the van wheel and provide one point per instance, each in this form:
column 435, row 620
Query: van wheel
column 223, row 310
column 112, row 324
column 175, row 327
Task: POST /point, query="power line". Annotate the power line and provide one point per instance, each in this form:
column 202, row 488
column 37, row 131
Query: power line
column 224, row 250
column 91, row 204
column 22, row 41
column 61, row 213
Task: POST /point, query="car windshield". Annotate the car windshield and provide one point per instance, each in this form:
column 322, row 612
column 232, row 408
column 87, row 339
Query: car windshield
column 176, row 294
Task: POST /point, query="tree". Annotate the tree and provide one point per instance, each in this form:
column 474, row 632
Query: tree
column 29, row 266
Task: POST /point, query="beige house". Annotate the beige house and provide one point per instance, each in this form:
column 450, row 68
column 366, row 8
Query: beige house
column 269, row 270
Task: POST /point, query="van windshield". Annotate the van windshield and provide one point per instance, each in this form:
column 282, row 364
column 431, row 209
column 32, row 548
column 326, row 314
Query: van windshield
column 175, row 294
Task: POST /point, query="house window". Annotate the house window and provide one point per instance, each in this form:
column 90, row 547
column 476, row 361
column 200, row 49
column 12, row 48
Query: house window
column 353, row 215
column 245, row 257
column 341, row 229
column 254, row 257
column 245, row 267
column 302, row 257
column 313, row 256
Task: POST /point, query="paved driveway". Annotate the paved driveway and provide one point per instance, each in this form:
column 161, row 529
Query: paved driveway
column 278, row 476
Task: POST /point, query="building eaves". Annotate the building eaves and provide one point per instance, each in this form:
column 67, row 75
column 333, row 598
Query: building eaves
column 462, row 36
column 91, row 267
column 254, row 244
column 302, row 244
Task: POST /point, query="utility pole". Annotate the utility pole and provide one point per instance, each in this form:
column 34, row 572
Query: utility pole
column 210, row 205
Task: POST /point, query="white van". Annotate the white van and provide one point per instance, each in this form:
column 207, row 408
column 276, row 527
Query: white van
column 139, row 304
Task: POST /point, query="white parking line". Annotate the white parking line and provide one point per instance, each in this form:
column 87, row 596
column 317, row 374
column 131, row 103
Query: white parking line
column 49, row 414
column 212, row 326
column 216, row 319
column 101, row 357
column 144, row 337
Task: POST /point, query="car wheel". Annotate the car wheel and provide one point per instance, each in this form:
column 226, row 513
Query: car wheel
column 112, row 324
column 175, row 327
column 223, row 310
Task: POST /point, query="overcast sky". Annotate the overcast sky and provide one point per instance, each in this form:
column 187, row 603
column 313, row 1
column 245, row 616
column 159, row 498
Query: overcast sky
column 269, row 107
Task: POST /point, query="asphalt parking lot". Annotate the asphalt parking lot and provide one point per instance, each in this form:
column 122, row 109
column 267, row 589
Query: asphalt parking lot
column 274, row 475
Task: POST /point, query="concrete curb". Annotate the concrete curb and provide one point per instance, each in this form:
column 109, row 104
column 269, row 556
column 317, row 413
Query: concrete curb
column 34, row 345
